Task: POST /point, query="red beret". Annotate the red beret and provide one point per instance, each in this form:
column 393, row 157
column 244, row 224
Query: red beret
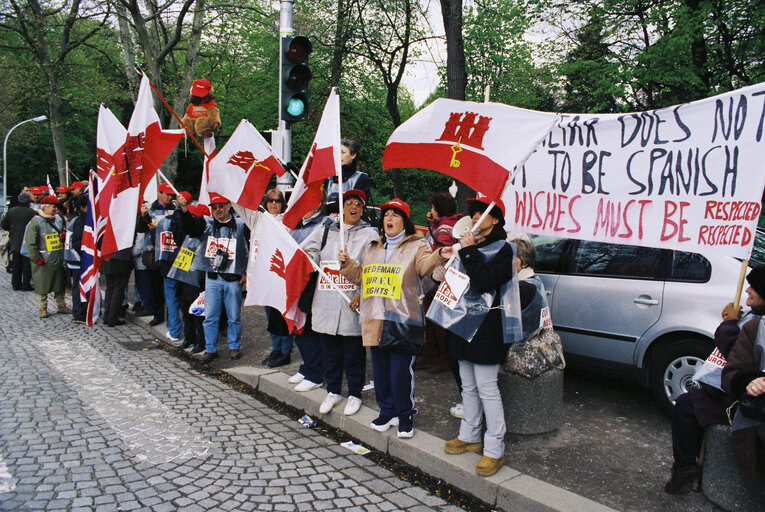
column 49, row 200
column 37, row 190
column 77, row 184
column 62, row 189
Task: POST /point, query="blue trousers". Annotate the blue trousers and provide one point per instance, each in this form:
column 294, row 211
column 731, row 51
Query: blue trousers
column 309, row 345
column 174, row 324
column 221, row 294
column 394, row 382
column 143, row 285
column 344, row 353
column 279, row 343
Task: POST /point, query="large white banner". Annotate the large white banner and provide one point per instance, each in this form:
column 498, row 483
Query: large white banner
column 687, row 177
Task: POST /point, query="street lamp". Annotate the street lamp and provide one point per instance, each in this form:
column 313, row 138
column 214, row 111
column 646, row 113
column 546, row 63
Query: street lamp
column 5, row 160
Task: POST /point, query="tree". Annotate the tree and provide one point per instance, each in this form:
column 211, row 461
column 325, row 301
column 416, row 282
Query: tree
column 50, row 32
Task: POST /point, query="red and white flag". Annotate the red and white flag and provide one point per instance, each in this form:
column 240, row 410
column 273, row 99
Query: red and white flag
column 127, row 161
column 278, row 272
column 51, row 190
column 242, row 169
column 322, row 162
column 478, row 144
column 204, row 196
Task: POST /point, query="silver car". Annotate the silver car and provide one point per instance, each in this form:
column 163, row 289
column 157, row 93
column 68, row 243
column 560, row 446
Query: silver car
column 641, row 313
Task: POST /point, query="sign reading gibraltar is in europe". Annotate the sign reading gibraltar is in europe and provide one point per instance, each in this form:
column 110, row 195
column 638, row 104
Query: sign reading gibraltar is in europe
column 687, row 177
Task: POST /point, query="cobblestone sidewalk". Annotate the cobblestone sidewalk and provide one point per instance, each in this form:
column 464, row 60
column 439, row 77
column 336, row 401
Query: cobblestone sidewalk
column 98, row 419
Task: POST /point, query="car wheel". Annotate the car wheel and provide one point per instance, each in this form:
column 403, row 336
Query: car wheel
column 672, row 369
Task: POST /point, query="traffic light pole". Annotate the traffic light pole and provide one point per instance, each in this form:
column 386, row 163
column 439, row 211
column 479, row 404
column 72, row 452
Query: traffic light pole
column 285, row 29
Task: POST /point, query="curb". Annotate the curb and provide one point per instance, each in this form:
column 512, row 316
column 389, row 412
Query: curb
column 507, row 490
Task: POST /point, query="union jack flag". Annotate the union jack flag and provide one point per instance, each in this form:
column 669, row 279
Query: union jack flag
column 90, row 257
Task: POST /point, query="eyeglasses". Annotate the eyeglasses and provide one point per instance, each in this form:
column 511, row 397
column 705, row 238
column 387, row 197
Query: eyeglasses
column 218, row 206
column 273, row 200
column 353, row 203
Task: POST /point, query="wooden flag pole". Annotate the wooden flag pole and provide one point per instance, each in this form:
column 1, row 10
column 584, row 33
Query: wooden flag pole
column 740, row 286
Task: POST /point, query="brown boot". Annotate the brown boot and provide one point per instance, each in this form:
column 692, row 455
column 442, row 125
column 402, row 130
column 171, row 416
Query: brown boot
column 42, row 300
column 457, row 446
column 61, row 305
column 488, row 466
column 681, row 476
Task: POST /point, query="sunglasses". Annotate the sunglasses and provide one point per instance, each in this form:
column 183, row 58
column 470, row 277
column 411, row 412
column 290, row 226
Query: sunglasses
column 273, row 200
column 353, row 203
column 218, row 206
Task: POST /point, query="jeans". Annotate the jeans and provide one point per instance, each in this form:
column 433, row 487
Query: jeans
column 480, row 396
column 174, row 324
column 394, row 382
column 279, row 343
column 79, row 308
column 221, row 294
column 143, row 285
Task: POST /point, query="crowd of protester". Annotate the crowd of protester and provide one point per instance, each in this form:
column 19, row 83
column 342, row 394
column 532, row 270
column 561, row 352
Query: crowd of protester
column 189, row 264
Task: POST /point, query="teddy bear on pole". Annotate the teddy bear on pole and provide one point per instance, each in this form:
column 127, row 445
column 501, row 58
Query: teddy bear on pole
column 202, row 116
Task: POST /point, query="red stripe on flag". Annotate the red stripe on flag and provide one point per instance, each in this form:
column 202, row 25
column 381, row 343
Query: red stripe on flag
column 257, row 182
column 475, row 170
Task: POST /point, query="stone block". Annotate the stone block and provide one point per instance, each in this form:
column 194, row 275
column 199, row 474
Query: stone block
column 532, row 406
column 723, row 481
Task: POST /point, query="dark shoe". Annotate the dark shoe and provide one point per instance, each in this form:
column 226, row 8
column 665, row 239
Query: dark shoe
column 234, row 353
column 183, row 346
column 144, row 312
column 681, row 476
column 138, row 306
column 279, row 360
column 208, row 357
column 115, row 323
column 80, row 322
column 269, row 357
column 155, row 322
column 198, row 348
column 27, row 288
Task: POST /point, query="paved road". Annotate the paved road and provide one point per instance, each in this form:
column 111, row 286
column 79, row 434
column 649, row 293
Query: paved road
column 99, row 419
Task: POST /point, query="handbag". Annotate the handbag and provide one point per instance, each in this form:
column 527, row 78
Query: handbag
column 402, row 338
column 752, row 407
column 540, row 352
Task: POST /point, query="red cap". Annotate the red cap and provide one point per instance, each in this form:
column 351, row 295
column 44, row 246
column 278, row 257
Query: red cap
column 77, row 184
column 480, row 198
column 395, row 203
column 62, row 189
column 201, row 88
column 166, row 188
column 217, row 198
column 49, row 200
column 354, row 192
column 37, row 190
column 186, row 196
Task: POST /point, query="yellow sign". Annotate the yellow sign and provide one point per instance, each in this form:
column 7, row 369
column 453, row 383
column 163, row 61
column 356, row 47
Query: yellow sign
column 381, row 280
column 184, row 259
column 53, row 242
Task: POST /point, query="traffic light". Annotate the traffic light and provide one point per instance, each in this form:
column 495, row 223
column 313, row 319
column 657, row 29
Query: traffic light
column 295, row 76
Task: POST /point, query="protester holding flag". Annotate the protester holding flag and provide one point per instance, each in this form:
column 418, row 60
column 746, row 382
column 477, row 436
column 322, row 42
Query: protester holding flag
column 489, row 262
column 333, row 318
column 44, row 238
column 351, row 177
column 223, row 256
column 394, row 272
column 72, row 249
column 311, row 373
column 117, row 271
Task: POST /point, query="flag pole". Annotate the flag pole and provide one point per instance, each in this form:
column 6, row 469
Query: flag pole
column 740, row 286
column 161, row 175
column 339, row 170
column 173, row 112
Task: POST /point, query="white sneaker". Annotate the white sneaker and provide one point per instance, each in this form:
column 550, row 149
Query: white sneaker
column 171, row 337
column 307, row 385
column 296, row 379
column 406, row 434
column 458, row 411
column 329, row 403
column 353, row 406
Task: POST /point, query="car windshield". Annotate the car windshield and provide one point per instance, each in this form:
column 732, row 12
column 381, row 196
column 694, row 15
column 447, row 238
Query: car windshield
column 758, row 251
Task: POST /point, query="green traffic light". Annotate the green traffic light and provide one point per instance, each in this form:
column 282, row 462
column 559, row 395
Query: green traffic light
column 296, row 106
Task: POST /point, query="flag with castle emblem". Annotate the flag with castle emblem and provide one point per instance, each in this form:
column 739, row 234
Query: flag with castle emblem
column 242, row 169
column 478, row 144
column 277, row 272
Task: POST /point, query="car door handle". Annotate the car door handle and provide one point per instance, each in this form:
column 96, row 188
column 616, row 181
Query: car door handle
column 645, row 302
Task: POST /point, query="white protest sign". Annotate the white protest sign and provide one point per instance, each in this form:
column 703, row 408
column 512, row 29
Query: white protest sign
column 687, row 177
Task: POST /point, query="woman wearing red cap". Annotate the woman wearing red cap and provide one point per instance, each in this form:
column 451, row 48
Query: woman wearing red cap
column 391, row 274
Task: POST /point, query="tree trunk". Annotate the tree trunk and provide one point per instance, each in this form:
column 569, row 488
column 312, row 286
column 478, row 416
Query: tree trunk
column 56, row 125
column 128, row 53
column 338, row 51
column 456, row 75
column 392, row 104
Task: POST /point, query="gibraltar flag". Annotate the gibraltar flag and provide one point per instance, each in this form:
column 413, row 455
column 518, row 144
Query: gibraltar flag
column 322, row 162
column 243, row 167
column 277, row 272
column 478, row 144
column 127, row 161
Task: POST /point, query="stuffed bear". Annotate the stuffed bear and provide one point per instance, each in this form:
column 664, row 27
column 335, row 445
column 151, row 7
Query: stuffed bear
column 202, row 116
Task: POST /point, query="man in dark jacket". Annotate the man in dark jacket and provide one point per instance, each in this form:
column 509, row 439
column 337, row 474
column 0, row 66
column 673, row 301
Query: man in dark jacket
column 15, row 222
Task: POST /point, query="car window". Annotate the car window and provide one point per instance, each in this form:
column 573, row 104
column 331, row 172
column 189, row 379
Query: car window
column 688, row 266
column 758, row 251
column 596, row 258
column 549, row 252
